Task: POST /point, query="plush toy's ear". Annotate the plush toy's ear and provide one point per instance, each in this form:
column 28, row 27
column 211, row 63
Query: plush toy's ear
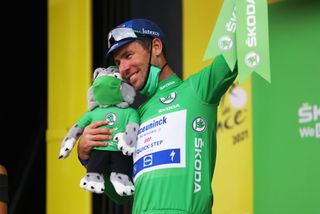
column 91, row 103
column 113, row 69
column 96, row 72
column 104, row 71
column 128, row 93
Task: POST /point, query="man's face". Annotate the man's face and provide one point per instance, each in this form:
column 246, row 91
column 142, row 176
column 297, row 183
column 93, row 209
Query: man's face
column 133, row 61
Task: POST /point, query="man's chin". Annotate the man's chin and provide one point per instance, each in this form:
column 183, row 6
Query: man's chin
column 137, row 86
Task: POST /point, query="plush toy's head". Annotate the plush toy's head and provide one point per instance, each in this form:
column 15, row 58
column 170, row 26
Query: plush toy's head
column 108, row 88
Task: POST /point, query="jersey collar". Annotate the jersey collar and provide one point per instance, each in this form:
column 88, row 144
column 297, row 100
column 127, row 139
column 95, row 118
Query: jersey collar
column 167, row 84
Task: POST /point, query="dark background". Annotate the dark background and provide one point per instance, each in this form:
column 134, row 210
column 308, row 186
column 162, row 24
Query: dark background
column 24, row 103
column 24, row 87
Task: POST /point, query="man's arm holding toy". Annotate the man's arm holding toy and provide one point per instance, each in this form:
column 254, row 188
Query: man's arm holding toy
column 93, row 136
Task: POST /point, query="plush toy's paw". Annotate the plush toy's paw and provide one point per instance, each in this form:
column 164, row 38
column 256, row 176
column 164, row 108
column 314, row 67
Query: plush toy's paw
column 123, row 146
column 122, row 184
column 66, row 147
column 93, row 182
column 127, row 140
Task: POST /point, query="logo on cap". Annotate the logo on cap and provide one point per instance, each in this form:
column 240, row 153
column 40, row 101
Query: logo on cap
column 155, row 33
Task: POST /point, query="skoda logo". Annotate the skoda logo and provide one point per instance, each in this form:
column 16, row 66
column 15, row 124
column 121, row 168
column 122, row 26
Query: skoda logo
column 225, row 43
column 199, row 124
column 111, row 118
column 252, row 59
column 168, row 99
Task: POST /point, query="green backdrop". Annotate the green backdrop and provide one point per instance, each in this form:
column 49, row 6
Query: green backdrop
column 286, row 114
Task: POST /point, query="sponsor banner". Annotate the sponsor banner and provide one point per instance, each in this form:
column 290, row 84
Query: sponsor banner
column 223, row 38
column 309, row 121
column 287, row 114
column 253, row 38
column 241, row 33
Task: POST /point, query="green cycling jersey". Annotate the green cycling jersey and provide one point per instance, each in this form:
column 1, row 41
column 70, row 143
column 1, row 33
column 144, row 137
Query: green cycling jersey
column 176, row 149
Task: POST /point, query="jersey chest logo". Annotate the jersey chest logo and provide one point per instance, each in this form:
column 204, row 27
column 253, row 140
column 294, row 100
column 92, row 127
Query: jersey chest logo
column 199, row 124
column 168, row 99
column 111, row 118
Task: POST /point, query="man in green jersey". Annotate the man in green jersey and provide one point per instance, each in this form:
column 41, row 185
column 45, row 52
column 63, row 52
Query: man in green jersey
column 176, row 149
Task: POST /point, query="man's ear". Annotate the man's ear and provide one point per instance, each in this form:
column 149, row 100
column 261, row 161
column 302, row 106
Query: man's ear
column 157, row 46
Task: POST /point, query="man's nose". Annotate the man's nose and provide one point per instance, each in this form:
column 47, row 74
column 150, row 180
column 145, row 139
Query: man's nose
column 123, row 70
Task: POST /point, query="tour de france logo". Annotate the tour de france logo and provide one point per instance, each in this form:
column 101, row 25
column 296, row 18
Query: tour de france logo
column 252, row 59
column 238, row 97
column 168, row 99
column 225, row 43
column 199, row 124
column 111, row 118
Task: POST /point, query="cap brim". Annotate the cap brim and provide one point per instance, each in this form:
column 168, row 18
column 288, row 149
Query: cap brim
column 118, row 45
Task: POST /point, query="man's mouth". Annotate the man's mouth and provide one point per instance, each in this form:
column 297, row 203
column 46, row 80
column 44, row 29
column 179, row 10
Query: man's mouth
column 131, row 77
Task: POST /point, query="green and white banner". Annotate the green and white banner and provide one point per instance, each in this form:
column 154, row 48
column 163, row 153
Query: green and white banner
column 253, row 38
column 241, row 34
column 223, row 38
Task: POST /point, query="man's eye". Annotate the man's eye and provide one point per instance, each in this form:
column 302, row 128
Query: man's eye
column 128, row 56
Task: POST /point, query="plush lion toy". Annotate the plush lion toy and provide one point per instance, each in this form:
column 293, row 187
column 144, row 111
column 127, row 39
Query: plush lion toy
column 109, row 99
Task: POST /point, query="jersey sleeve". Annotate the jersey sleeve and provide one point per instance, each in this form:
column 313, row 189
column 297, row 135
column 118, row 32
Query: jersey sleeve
column 213, row 81
column 134, row 116
column 84, row 120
